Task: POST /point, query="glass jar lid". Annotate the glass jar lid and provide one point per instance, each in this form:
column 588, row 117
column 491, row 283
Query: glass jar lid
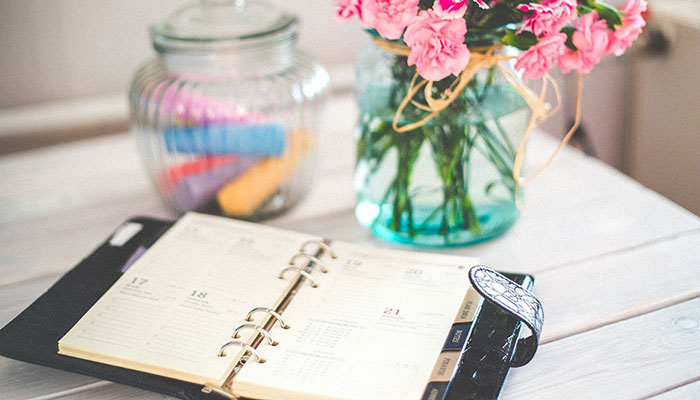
column 222, row 24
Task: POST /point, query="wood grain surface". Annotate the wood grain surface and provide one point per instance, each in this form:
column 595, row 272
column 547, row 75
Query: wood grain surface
column 617, row 266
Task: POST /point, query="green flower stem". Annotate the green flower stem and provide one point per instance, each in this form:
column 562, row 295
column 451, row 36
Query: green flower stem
column 408, row 147
column 469, row 213
column 475, row 104
column 451, row 151
column 505, row 137
column 505, row 172
column 494, row 143
column 469, row 218
column 489, row 81
column 486, row 135
column 497, row 147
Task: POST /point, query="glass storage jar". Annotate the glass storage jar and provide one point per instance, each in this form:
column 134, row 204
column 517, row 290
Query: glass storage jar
column 227, row 115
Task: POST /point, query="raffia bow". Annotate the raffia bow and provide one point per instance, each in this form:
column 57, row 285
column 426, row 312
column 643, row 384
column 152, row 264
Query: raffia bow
column 487, row 57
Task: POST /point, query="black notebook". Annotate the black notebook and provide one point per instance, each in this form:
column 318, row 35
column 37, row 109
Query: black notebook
column 212, row 307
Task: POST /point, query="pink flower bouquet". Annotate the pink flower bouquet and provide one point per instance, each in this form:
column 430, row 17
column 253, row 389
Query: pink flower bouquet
column 434, row 93
column 440, row 32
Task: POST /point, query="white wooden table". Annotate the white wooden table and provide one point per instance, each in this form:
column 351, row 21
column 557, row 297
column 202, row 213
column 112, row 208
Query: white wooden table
column 617, row 266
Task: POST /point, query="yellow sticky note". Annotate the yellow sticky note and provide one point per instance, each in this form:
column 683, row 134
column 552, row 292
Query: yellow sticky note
column 250, row 190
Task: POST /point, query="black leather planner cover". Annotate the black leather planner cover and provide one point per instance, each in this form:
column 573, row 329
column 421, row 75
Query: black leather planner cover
column 486, row 356
column 33, row 335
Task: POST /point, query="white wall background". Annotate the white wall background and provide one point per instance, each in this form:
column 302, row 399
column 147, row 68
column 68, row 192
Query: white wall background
column 60, row 49
column 641, row 113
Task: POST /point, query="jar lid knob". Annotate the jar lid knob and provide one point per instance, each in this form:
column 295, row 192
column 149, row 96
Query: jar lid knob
column 222, row 23
column 237, row 3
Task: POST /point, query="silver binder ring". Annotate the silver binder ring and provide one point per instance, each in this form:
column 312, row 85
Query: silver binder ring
column 250, row 349
column 258, row 328
column 275, row 314
column 208, row 389
column 311, row 258
column 321, row 245
column 302, row 272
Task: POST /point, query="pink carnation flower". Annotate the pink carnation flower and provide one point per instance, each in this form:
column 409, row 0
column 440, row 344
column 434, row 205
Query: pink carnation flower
column 348, row 8
column 591, row 41
column 482, row 4
column 548, row 17
column 539, row 59
column 389, row 17
column 449, row 9
column 632, row 23
column 437, row 45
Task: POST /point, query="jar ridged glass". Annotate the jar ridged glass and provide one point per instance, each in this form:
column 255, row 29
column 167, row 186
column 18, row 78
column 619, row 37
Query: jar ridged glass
column 227, row 115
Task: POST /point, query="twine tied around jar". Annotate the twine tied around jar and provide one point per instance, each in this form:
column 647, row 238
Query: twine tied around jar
column 484, row 57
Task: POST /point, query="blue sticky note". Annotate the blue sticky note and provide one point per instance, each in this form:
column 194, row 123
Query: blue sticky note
column 258, row 139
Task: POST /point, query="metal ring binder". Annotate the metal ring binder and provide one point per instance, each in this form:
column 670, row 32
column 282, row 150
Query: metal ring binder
column 249, row 348
column 220, row 391
column 258, row 328
column 321, row 244
column 302, row 272
column 310, row 258
column 275, row 314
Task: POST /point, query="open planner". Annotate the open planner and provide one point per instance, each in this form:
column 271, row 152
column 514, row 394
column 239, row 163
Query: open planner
column 235, row 309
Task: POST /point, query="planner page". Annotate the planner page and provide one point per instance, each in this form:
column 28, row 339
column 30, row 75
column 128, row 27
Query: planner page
column 372, row 329
column 173, row 308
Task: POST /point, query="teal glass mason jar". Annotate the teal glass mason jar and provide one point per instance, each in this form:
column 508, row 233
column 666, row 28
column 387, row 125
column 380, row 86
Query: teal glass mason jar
column 448, row 182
